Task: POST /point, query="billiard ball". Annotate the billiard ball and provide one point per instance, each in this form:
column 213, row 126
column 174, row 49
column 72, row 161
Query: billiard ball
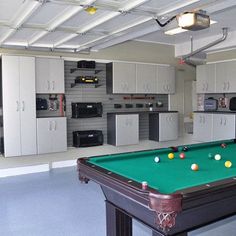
column 210, row 155
column 223, row 145
column 174, row 149
column 228, row 164
column 194, row 167
column 185, row 149
column 217, row 157
column 182, row 155
column 171, row 155
column 157, row 159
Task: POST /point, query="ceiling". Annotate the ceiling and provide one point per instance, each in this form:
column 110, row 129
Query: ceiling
column 65, row 25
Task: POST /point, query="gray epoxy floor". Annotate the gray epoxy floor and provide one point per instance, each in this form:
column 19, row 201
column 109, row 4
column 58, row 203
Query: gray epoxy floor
column 56, row 204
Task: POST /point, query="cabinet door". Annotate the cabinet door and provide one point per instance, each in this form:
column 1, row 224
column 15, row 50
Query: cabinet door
column 168, row 126
column 27, row 105
column 42, row 75
column 59, row 137
column 124, row 77
column 44, row 139
column 11, row 105
column 225, row 77
column 202, row 127
column 206, row 76
column 57, row 81
column 127, row 129
column 145, row 78
column 165, row 79
column 223, row 126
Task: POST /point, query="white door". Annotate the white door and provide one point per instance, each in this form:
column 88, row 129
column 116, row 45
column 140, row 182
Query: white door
column 57, row 84
column 124, row 77
column 44, row 135
column 127, row 129
column 59, row 137
column 165, row 79
column 223, row 126
column 27, row 105
column 202, row 127
column 168, row 126
column 145, row 78
column 11, row 105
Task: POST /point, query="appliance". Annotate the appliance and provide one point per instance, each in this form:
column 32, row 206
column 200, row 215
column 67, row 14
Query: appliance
column 87, row 138
column 41, row 104
column 210, row 104
column 86, row 80
column 86, row 64
column 86, row 110
column 232, row 104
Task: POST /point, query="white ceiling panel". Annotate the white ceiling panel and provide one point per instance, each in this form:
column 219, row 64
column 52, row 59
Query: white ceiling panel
column 47, row 13
column 81, row 39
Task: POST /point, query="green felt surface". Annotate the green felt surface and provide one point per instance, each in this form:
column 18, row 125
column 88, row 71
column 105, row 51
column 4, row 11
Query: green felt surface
column 169, row 176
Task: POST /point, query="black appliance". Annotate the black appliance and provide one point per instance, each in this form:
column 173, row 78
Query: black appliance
column 210, row 104
column 232, row 104
column 87, row 138
column 86, row 110
column 41, row 104
column 86, row 64
column 86, row 80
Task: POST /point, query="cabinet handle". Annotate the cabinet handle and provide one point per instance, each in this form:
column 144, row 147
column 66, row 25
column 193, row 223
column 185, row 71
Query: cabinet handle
column 206, row 86
column 221, row 121
column 50, row 125
column 203, row 86
column 55, row 125
column 48, row 85
column 225, row 121
column 17, row 105
column 228, row 83
column 23, row 105
column 224, row 87
column 53, row 85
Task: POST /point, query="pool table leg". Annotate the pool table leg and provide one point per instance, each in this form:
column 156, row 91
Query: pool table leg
column 118, row 223
column 160, row 234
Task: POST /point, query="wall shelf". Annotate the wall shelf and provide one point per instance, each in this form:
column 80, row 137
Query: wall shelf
column 76, row 84
column 85, row 69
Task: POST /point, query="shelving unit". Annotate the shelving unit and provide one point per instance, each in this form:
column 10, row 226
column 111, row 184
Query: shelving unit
column 85, row 69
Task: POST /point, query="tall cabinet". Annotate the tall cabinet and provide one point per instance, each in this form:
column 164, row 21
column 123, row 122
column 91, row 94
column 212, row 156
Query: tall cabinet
column 19, row 112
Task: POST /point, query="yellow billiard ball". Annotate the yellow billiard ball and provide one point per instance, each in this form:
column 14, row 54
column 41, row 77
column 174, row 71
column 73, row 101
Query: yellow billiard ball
column 171, row 155
column 194, row 167
column 228, row 164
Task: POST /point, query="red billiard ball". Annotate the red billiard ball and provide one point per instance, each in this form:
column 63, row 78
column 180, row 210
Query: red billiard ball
column 223, row 145
column 182, row 155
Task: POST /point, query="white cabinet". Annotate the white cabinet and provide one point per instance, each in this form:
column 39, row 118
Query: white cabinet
column 50, row 75
column 51, row 135
column 212, row 127
column 202, row 127
column 165, row 79
column 19, row 112
column 223, row 126
column 163, row 126
column 225, row 77
column 122, row 129
column 206, row 75
column 123, row 77
column 146, row 78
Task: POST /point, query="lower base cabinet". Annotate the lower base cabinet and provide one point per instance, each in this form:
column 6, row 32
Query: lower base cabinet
column 51, row 135
column 122, row 129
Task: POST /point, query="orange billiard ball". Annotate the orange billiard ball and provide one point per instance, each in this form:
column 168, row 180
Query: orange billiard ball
column 182, row 155
column 194, row 167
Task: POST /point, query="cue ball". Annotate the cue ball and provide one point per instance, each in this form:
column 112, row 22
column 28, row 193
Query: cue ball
column 182, row 155
column 171, row 155
column 194, row 167
column 228, row 164
column 217, row 157
column 157, row 159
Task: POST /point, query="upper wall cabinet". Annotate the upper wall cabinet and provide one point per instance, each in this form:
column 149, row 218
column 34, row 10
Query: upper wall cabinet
column 206, row 75
column 216, row 78
column 137, row 78
column 121, row 77
column 146, row 78
column 50, row 75
column 165, row 79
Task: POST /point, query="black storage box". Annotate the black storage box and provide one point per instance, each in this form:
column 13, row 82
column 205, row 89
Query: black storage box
column 86, row 110
column 232, row 104
column 86, row 64
column 41, row 104
column 87, row 138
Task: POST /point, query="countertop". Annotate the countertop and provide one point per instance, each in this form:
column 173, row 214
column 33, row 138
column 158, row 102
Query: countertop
column 140, row 112
column 216, row 112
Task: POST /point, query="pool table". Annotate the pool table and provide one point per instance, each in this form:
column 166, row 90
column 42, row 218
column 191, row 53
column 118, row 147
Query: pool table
column 168, row 196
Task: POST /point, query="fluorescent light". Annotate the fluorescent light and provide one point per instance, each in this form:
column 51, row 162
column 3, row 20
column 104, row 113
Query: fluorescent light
column 23, row 44
column 175, row 31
